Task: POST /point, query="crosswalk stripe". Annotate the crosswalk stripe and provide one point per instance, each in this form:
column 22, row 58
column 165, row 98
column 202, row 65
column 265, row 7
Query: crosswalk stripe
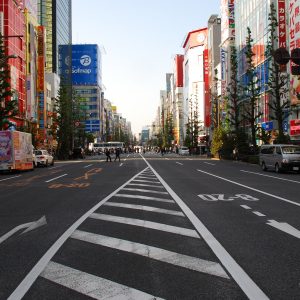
column 143, row 184
column 145, row 191
column 147, row 177
column 146, row 224
column 170, row 257
column 145, row 208
column 91, row 285
column 144, row 197
column 142, row 180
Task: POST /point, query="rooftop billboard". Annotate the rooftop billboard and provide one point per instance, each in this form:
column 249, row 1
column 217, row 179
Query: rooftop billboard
column 85, row 64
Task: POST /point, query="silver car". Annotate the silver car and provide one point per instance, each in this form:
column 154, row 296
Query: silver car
column 280, row 157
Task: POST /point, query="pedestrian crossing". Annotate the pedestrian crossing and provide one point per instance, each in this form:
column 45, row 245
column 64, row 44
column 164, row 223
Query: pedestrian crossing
column 137, row 245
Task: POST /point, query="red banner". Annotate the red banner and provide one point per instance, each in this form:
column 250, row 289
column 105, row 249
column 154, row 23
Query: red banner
column 207, row 107
column 295, row 127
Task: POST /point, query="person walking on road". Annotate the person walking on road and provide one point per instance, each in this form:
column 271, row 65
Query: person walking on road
column 117, row 153
column 107, row 153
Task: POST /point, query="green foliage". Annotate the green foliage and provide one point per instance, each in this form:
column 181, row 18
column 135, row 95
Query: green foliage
column 8, row 106
column 217, row 140
column 277, row 81
column 251, row 112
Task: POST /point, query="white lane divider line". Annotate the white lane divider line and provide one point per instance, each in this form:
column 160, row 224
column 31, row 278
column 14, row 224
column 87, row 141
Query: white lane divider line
column 249, row 187
column 249, row 287
column 179, row 163
column 205, row 162
column 170, row 257
column 56, row 177
column 89, row 284
column 146, row 208
column 145, row 191
column 151, row 185
column 142, row 180
column 144, row 198
column 147, row 224
column 246, row 206
column 265, row 175
column 87, row 166
column 10, row 178
column 258, row 214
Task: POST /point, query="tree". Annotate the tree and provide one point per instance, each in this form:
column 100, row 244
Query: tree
column 63, row 120
column 8, row 106
column 277, row 81
column 251, row 111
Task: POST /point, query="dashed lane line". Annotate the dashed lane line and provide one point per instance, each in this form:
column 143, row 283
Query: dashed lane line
column 146, row 224
column 87, row 166
column 258, row 214
column 246, row 206
column 91, row 285
column 56, row 178
column 10, row 178
column 170, row 257
column 146, row 208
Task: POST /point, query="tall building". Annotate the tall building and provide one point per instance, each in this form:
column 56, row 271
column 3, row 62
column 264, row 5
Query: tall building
column 86, row 79
column 12, row 28
column 56, row 17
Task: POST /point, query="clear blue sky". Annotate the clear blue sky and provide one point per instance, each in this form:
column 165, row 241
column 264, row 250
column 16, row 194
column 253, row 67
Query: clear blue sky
column 140, row 38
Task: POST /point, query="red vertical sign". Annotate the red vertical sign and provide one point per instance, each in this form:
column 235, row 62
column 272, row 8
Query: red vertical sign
column 281, row 23
column 206, row 89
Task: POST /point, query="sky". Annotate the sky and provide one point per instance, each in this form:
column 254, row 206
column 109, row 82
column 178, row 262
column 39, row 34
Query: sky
column 138, row 40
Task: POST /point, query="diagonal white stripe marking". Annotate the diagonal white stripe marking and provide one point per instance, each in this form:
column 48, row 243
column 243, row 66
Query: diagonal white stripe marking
column 142, row 180
column 10, row 178
column 147, row 224
column 146, row 208
column 259, row 214
column 145, row 191
column 91, row 285
column 246, row 206
column 144, row 198
column 185, row 261
column 56, row 178
column 142, row 184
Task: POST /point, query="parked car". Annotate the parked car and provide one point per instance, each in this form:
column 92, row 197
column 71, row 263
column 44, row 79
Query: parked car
column 34, row 159
column 78, row 153
column 44, row 158
column 280, row 157
column 183, row 151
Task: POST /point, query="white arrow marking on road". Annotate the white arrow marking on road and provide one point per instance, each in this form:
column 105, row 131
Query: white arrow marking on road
column 30, row 226
column 287, row 228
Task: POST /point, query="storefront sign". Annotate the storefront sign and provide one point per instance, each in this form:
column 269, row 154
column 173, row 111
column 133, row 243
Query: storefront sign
column 295, row 127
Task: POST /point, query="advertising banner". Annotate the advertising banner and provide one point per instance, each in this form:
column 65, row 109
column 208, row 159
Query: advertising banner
column 206, row 89
column 281, row 23
column 85, row 64
column 227, row 17
column 294, row 127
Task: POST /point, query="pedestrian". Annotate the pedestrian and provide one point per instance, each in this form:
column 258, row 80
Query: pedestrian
column 117, row 151
column 107, row 153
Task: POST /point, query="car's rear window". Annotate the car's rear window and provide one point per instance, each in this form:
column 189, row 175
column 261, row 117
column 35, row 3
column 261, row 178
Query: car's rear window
column 291, row 150
column 184, row 148
column 38, row 152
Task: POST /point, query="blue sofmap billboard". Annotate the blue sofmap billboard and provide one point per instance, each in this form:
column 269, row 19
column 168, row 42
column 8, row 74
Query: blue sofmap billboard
column 85, row 64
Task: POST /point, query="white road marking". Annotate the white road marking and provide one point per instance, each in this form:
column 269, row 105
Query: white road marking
column 287, row 228
column 144, row 198
column 145, row 191
column 205, row 162
column 146, row 208
column 147, row 177
column 50, row 168
column 248, row 286
column 147, row 224
column 245, row 206
column 142, row 180
column 121, row 164
column 29, row 279
column 279, row 178
column 143, row 184
column 170, row 257
column 10, row 178
column 91, row 285
column 29, row 226
column 251, row 188
column 259, row 214
column 179, row 163
column 56, row 178
column 87, row 166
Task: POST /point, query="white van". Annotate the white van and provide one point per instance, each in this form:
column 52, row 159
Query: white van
column 280, row 157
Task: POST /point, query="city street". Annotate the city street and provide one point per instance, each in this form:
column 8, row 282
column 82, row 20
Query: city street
column 150, row 227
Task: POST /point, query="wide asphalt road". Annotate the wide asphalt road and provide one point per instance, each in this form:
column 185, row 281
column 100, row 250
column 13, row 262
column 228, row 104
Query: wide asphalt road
column 149, row 227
